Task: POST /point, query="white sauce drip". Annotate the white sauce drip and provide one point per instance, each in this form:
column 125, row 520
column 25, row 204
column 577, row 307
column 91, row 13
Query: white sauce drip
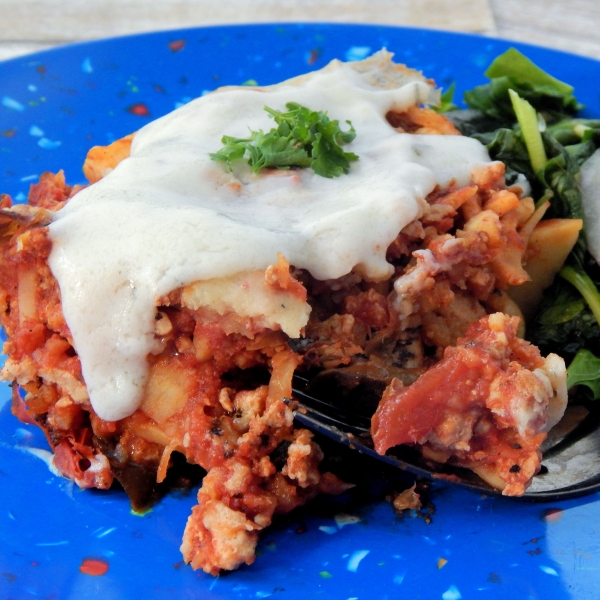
column 169, row 215
column 589, row 178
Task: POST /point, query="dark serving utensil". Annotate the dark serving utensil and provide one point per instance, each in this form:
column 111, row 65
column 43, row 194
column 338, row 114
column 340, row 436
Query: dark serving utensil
column 571, row 453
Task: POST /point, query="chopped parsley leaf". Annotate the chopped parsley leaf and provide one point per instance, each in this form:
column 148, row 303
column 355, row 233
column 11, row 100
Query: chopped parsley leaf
column 303, row 138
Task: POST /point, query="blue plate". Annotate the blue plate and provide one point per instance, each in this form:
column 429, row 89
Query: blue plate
column 59, row 542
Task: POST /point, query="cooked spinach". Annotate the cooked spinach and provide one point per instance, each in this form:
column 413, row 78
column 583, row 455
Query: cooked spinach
column 584, row 371
column 544, row 109
column 552, row 98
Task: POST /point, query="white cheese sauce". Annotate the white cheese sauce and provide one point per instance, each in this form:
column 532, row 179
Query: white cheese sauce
column 169, row 215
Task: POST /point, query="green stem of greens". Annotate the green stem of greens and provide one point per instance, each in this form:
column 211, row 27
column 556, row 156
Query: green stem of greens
column 528, row 121
column 585, row 286
column 579, row 130
column 548, row 195
column 446, row 100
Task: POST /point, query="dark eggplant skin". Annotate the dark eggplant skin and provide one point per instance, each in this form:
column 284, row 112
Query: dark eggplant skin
column 139, row 480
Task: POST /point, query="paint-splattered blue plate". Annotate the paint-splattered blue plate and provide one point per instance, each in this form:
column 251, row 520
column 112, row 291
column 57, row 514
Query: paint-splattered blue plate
column 59, row 542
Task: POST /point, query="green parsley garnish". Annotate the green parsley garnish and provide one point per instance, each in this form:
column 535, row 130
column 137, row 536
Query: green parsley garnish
column 302, row 138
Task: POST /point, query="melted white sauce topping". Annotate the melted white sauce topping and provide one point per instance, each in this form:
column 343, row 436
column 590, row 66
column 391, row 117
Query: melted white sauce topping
column 169, row 215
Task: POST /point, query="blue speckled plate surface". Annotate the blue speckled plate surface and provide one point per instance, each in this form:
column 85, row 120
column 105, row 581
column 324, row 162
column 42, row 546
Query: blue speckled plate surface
column 53, row 537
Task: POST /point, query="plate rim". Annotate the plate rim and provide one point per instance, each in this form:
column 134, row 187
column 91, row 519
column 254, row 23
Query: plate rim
column 68, row 46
